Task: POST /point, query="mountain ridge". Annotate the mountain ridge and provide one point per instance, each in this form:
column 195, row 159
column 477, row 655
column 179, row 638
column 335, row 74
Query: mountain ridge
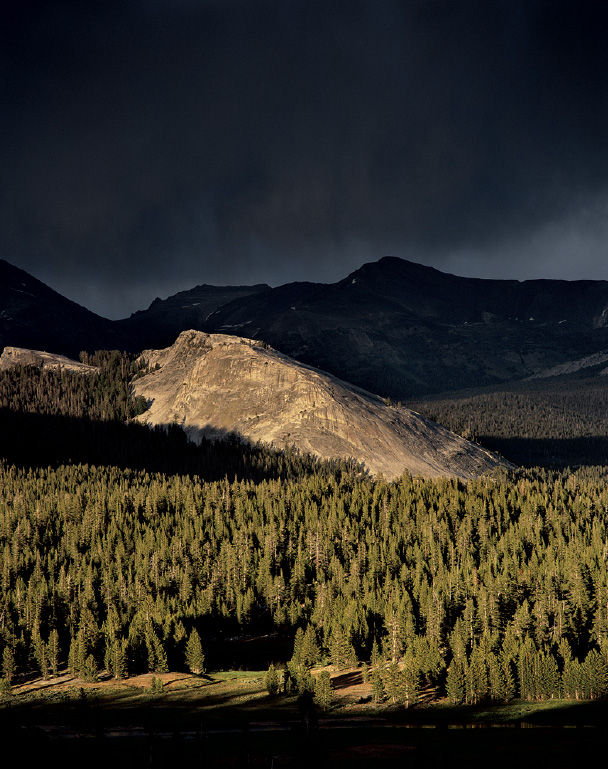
column 402, row 328
column 392, row 326
column 161, row 322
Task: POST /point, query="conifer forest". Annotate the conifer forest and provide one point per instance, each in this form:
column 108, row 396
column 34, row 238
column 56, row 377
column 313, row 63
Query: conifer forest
column 113, row 559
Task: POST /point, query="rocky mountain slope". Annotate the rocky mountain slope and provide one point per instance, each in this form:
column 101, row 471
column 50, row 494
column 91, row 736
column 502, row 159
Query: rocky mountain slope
column 595, row 363
column 19, row 356
column 212, row 384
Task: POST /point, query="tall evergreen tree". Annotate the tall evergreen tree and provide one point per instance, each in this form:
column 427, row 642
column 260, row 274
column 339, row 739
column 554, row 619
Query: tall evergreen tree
column 53, row 652
column 455, row 681
column 341, row 650
column 309, row 652
column 8, row 664
column 271, row 681
column 195, row 658
column 323, row 691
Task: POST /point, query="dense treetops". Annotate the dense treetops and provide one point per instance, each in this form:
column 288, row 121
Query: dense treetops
column 449, row 582
column 102, row 396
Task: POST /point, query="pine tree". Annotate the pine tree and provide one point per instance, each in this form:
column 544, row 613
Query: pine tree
column 477, row 676
column 595, row 674
column 378, row 690
column 429, row 658
column 481, row 673
column 396, row 633
column 323, row 690
column 195, row 659
column 341, row 650
column 297, row 646
column 525, row 669
column 299, row 678
column 89, row 672
column 547, row 680
column 271, row 681
column 116, row 657
column 459, row 640
column 81, row 651
column 391, row 680
column 8, row 664
column 40, row 655
column 73, row 657
column 309, row 649
column 157, row 657
column 455, row 682
column 365, row 673
column 53, row 652
column 573, row 683
column 376, row 655
column 410, row 679
column 508, row 679
column 160, row 655
column 495, row 677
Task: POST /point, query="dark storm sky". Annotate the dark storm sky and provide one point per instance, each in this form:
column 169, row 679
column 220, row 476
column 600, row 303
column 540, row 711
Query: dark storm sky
column 147, row 146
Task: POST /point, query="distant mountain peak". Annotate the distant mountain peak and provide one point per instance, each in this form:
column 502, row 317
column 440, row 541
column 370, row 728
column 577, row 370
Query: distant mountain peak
column 389, row 267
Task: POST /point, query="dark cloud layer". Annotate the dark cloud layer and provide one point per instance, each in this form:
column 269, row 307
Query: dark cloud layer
column 148, row 146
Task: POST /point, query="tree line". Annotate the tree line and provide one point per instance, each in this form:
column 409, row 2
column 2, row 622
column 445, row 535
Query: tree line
column 558, row 422
column 490, row 589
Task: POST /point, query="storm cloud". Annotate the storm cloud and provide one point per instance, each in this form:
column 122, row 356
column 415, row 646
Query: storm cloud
column 149, row 146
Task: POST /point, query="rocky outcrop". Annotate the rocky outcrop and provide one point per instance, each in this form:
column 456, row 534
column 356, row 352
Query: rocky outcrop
column 212, row 384
column 19, row 356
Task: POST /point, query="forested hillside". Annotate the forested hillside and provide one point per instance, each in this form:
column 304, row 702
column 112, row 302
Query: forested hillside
column 558, row 422
column 490, row 589
column 105, row 395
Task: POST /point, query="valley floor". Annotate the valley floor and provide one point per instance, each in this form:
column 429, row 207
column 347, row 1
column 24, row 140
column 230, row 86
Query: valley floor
column 228, row 719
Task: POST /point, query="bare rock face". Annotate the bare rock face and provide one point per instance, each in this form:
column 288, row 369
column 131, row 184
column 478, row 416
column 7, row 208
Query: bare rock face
column 213, row 383
column 19, row 356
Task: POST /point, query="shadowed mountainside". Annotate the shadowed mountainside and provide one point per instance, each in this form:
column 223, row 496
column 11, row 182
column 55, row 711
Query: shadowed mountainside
column 400, row 328
column 557, row 420
column 34, row 316
column 159, row 325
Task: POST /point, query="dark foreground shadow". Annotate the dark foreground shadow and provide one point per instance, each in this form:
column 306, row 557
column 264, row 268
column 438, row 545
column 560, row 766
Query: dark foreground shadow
column 37, row 440
column 292, row 745
column 344, row 680
column 101, row 732
column 558, row 453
